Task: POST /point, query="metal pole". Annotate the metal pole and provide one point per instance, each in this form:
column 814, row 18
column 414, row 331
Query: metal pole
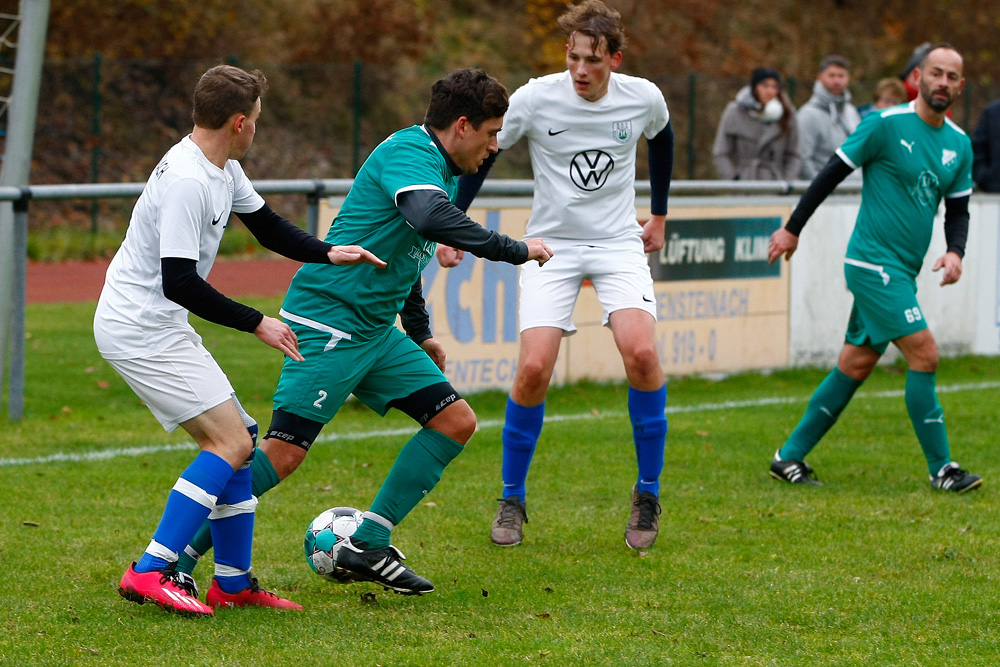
column 357, row 118
column 692, row 91
column 17, row 161
column 15, row 401
column 95, row 151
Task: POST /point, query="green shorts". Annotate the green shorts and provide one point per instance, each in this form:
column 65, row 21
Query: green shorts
column 377, row 372
column 885, row 305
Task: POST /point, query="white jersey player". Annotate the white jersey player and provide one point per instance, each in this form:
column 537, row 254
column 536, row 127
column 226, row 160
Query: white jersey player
column 142, row 330
column 582, row 127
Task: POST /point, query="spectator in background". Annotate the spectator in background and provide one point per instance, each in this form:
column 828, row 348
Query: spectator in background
column 758, row 137
column 911, row 76
column 828, row 117
column 888, row 93
column 986, row 149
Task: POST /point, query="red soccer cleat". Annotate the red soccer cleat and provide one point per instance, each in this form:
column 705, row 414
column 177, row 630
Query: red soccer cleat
column 251, row 596
column 164, row 588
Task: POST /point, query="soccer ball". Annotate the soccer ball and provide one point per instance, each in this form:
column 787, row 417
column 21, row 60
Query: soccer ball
column 324, row 537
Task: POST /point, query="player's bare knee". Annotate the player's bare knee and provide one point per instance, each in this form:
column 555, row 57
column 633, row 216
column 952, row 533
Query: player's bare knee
column 283, row 456
column 457, row 421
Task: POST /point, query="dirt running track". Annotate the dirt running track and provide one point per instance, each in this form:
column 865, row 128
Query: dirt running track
column 82, row 281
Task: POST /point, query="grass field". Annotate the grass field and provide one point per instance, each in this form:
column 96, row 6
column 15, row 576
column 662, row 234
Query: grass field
column 871, row 569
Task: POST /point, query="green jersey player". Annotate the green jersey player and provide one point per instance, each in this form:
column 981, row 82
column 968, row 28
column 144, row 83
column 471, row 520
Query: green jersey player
column 400, row 205
column 913, row 156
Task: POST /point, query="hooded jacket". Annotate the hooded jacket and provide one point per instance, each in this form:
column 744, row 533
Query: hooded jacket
column 824, row 122
column 749, row 144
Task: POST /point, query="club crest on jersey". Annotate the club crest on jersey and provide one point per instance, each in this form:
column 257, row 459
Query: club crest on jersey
column 162, row 167
column 621, row 130
column 948, row 158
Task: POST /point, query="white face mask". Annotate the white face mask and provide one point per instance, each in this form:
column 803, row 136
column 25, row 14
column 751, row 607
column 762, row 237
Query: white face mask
column 772, row 111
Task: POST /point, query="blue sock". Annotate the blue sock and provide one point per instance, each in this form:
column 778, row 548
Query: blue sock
column 521, row 429
column 232, row 532
column 192, row 498
column 647, row 409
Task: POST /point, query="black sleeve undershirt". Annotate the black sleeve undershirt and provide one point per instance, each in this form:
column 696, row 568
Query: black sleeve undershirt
column 183, row 286
column 281, row 236
column 469, row 184
column 956, row 224
column 829, row 177
column 432, row 214
column 414, row 318
column 661, row 167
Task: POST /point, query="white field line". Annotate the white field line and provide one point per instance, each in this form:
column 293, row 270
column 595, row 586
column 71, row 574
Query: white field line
column 105, row 454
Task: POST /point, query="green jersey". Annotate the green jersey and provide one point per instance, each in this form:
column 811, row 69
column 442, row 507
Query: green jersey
column 361, row 300
column 908, row 167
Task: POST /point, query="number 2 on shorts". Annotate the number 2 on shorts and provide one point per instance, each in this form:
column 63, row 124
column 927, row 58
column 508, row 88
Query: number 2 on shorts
column 322, row 395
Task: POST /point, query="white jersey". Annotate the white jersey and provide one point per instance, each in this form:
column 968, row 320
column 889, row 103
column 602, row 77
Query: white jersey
column 583, row 153
column 182, row 212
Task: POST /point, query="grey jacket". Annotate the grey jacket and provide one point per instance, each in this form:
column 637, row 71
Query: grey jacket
column 749, row 148
column 824, row 122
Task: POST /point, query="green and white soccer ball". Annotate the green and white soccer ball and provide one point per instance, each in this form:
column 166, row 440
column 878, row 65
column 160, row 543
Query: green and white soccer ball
column 324, row 537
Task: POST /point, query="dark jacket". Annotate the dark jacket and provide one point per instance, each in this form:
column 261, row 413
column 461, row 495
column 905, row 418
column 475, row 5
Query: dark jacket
column 986, row 150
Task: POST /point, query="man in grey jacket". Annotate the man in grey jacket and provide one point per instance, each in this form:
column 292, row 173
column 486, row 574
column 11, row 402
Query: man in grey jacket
column 828, row 117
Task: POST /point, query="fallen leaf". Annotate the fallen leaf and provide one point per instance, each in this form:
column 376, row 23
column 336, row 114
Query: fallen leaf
column 103, row 384
column 66, row 410
column 33, row 524
column 703, row 434
column 486, row 593
column 430, row 503
column 545, row 615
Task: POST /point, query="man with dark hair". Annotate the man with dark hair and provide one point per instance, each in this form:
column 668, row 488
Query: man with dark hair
column 828, row 117
column 400, row 205
column 141, row 327
column 582, row 127
column 912, row 156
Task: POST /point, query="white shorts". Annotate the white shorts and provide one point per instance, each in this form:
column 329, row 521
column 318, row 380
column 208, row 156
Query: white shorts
column 620, row 274
column 177, row 383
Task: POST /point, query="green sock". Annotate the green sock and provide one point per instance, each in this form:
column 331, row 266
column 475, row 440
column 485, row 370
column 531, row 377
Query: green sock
column 827, row 402
column 927, row 418
column 265, row 478
column 416, row 471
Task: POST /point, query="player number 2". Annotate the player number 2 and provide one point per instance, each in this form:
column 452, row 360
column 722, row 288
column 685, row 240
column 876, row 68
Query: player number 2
column 319, row 401
column 912, row 315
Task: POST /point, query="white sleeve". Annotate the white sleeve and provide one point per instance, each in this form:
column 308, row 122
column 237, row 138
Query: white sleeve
column 517, row 120
column 180, row 215
column 659, row 116
column 245, row 198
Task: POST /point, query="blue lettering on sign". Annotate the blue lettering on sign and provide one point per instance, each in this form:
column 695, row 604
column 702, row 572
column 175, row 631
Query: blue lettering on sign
column 702, row 304
column 459, row 319
column 494, row 274
column 490, row 371
column 500, row 288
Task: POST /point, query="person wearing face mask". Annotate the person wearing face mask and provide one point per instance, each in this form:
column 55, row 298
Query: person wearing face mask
column 758, row 136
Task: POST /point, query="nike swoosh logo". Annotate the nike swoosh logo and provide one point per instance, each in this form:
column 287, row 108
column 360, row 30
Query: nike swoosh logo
column 646, row 299
column 552, row 134
column 216, row 221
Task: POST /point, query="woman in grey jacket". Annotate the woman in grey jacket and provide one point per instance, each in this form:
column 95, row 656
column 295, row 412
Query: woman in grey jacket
column 758, row 138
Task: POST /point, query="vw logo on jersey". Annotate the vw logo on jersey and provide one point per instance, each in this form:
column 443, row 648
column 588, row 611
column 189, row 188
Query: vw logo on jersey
column 621, row 131
column 589, row 170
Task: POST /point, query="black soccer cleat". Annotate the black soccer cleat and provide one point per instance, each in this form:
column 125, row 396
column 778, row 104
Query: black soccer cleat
column 953, row 478
column 793, row 472
column 383, row 566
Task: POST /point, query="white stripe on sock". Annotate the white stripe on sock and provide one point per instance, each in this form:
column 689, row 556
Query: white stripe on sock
column 195, row 493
